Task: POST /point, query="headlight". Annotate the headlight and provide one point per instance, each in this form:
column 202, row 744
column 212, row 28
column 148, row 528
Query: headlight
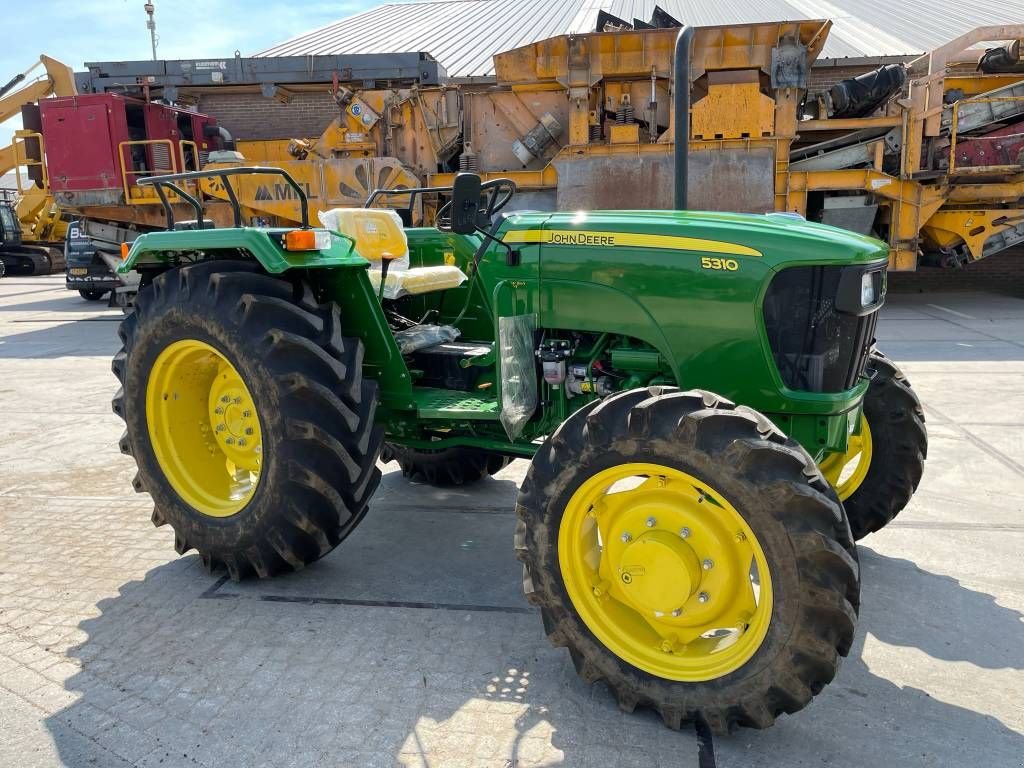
column 868, row 295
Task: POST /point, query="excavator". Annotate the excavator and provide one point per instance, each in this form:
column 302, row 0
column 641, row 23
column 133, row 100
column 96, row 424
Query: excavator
column 32, row 224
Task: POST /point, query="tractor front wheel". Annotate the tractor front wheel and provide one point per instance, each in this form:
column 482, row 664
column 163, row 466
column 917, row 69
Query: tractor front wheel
column 248, row 417
column 884, row 461
column 446, row 467
column 689, row 554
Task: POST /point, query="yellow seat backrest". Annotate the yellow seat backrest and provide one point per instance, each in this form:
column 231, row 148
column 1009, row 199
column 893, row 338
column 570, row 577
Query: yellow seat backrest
column 378, row 233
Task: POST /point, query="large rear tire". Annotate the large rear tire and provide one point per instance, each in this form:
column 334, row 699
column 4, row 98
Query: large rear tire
column 892, row 445
column 248, row 417
column 447, row 467
column 723, row 587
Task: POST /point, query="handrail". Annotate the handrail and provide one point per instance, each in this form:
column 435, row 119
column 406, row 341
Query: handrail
column 125, row 172
column 162, row 183
column 195, row 155
column 492, row 188
column 22, row 137
column 403, row 192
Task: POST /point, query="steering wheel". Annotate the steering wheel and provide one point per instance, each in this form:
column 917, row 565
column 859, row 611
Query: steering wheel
column 496, row 194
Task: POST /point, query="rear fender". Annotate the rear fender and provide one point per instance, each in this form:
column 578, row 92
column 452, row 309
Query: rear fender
column 264, row 245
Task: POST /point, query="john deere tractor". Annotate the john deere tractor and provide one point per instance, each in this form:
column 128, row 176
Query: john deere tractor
column 698, row 394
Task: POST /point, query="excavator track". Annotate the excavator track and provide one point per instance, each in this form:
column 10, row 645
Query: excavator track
column 27, row 261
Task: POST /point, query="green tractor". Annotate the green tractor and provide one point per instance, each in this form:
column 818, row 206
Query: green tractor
column 698, row 394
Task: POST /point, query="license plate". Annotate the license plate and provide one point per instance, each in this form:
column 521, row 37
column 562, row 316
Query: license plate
column 78, row 271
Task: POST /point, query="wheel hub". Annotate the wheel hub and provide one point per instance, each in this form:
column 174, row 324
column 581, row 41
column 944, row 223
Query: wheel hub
column 232, row 415
column 659, row 572
column 204, row 428
column 665, row 572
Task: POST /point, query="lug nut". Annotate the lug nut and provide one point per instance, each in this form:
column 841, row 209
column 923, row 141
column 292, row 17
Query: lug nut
column 626, row 537
column 248, row 430
column 703, row 597
column 241, row 441
column 230, row 441
column 219, row 409
column 684, row 533
column 246, row 414
column 221, row 427
column 225, row 399
column 708, row 564
column 651, row 522
column 238, row 400
column 741, row 536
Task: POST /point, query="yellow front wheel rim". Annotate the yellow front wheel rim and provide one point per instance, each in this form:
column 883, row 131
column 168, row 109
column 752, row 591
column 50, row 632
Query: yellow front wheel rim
column 846, row 471
column 204, row 428
column 665, row 572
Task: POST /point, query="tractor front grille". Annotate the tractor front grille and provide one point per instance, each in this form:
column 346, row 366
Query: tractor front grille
column 818, row 342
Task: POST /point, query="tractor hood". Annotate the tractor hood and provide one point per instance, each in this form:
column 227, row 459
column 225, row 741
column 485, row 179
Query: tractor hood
column 776, row 239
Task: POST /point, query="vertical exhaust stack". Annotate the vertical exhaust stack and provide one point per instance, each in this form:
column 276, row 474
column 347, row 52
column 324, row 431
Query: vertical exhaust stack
column 681, row 97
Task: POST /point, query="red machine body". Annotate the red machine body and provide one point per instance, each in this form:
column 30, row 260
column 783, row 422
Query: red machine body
column 1004, row 146
column 98, row 146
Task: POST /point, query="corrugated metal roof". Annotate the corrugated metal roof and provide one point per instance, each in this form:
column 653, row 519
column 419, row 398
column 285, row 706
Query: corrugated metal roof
column 464, row 34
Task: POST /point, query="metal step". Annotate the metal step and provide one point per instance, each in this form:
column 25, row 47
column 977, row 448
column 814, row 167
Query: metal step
column 973, row 114
column 449, row 404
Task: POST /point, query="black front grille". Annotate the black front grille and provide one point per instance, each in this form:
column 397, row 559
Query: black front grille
column 816, row 346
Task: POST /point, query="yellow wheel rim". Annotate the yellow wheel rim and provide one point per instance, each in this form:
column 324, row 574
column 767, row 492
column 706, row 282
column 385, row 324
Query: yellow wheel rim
column 665, row 572
column 846, row 471
column 204, row 428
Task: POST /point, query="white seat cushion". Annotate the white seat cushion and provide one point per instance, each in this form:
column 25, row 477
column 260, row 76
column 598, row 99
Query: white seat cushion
column 412, row 282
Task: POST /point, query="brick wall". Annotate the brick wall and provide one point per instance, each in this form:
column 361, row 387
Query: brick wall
column 824, row 77
column 1002, row 273
column 252, row 116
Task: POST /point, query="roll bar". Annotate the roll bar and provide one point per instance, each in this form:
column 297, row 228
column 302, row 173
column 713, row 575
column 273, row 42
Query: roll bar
column 163, row 183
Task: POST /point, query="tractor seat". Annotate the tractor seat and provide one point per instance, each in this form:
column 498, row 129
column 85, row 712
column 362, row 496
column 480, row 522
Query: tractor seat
column 412, row 282
column 378, row 234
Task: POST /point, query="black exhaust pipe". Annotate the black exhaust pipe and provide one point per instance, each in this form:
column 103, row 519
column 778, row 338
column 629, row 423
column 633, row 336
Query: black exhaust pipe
column 681, row 96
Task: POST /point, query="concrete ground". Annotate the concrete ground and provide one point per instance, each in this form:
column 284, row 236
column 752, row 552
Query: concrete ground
column 412, row 645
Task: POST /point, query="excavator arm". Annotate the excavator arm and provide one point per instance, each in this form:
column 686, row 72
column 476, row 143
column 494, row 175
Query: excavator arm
column 39, row 217
column 59, row 81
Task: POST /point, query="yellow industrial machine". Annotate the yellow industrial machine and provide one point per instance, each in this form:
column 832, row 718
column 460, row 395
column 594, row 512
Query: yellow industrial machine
column 38, row 248
column 382, row 139
column 926, row 156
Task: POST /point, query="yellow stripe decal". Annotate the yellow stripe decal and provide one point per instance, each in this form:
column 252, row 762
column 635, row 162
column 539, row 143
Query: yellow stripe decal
column 626, row 239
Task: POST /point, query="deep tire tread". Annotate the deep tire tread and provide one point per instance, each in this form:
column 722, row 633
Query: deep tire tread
column 826, row 608
column 900, row 448
column 448, row 467
column 330, row 444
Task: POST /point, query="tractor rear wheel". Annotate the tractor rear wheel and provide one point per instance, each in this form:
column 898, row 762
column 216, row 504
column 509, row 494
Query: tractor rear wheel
column 447, row 467
column 883, row 464
column 689, row 554
column 248, row 417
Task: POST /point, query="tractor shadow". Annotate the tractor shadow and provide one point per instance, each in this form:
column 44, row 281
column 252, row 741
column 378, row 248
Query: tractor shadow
column 183, row 669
